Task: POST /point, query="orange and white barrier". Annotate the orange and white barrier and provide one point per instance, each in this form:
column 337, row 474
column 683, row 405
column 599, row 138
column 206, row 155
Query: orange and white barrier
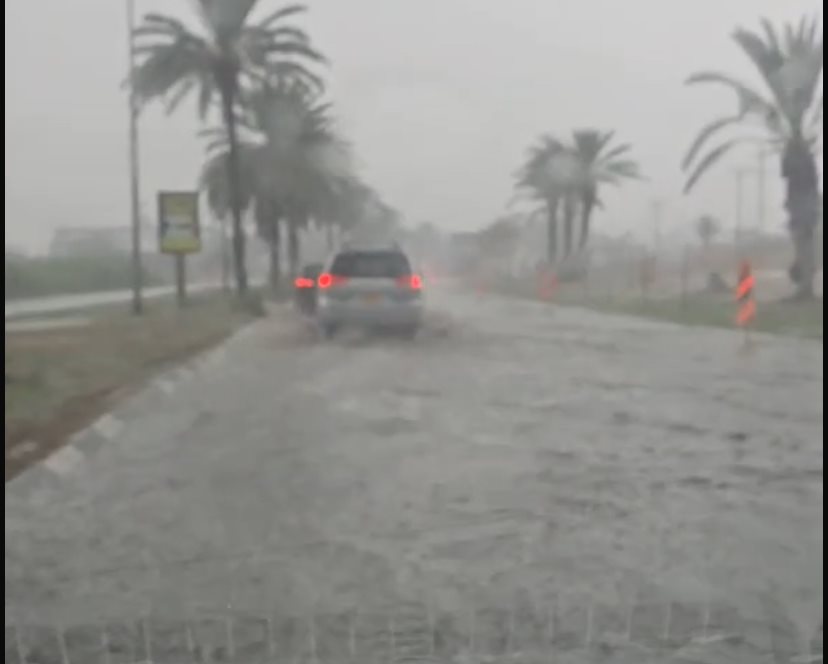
column 745, row 298
column 547, row 285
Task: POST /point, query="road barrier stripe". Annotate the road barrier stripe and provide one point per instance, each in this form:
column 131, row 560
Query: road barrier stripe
column 745, row 299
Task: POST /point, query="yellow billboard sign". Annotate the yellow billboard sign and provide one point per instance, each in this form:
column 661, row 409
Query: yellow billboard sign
column 179, row 231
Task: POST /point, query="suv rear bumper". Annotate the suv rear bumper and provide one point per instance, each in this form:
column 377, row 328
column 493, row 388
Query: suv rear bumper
column 391, row 314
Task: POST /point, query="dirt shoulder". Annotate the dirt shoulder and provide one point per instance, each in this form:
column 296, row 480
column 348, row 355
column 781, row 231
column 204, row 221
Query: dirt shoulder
column 60, row 380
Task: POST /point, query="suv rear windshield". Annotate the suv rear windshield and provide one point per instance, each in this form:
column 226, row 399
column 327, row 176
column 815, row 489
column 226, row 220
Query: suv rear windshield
column 358, row 264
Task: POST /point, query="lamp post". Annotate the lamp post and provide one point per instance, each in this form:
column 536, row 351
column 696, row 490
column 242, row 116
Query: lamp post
column 134, row 166
column 741, row 174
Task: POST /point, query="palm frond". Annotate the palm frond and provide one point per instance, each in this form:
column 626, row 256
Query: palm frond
column 624, row 169
column 705, row 135
column 590, row 142
column 281, row 14
column 601, row 163
column 166, row 67
column 162, row 24
column 708, row 162
column 217, row 145
column 265, row 69
column 178, row 94
column 532, row 175
column 293, row 48
column 303, row 160
column 771, row 35
column 767, row 58
column 214, row 179
column 174, row 61
column 751, row 102
column 616, row 152
column 224, row 19
column 259, row 34
column 790, row 61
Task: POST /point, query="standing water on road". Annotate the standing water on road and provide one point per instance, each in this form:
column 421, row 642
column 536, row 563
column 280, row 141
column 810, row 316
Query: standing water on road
column 581, row 452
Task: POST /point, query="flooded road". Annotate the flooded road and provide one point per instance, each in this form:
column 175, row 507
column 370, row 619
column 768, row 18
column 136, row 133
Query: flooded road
column 580, row 474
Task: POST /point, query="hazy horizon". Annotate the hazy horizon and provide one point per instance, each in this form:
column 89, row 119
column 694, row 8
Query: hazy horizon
column 440, row 99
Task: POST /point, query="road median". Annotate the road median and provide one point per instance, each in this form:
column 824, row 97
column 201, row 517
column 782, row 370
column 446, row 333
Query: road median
column 59, row 381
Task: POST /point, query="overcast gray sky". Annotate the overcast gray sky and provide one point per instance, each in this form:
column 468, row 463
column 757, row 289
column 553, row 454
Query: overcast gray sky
column 440, row 97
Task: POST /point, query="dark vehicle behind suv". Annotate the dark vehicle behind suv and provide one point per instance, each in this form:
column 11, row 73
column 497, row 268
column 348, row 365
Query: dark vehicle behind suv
column 305, row 288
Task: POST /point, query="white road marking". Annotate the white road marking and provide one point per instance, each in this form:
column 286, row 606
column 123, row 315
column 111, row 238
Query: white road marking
column 65, row 461
column 108, row 426
column 26, row 448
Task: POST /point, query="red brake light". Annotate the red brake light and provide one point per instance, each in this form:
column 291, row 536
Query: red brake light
column 325, row 280
column 303, row 282
column 329, row 280
column 412, row 281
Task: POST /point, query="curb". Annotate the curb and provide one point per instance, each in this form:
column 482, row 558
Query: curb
column 40, row 480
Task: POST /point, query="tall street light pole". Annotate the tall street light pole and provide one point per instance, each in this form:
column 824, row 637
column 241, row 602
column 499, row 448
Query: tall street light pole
column 741, row 176
column 658, row 216
column 761, row 188
column 134, row 166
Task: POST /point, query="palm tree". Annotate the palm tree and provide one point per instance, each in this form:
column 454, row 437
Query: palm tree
column 545, row 177
column 215, row 184
column 351, row 201
column 304, row 158
column 568, row 178
column 601, row 164
column 788, row 117
column 226, row 54
column 708, row 228
column 292, row 159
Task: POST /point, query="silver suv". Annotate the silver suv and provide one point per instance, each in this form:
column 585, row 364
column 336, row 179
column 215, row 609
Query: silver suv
column 369, row 288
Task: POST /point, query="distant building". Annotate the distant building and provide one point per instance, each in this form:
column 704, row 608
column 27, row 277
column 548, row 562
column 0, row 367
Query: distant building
column 77, row 241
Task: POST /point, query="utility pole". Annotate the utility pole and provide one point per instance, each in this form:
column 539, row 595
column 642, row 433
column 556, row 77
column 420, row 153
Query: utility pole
column 761, row 187
column 134, row 166
column 658, row 214
column 741, row 175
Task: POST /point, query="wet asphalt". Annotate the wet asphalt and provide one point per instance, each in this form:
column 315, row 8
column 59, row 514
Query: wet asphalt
column 514, row 454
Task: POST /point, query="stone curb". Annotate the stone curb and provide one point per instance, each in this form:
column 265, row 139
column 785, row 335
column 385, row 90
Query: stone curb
column 37, row 482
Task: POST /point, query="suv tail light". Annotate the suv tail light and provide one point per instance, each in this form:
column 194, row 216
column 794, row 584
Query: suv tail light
column 327, row 280
column 411, row 281
column 303, row 282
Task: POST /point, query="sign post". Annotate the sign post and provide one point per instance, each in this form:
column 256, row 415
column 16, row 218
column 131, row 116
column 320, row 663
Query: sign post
column 179, row 232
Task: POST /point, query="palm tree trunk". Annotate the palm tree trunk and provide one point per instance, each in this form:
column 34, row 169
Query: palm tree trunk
column 803, row 206
column 587, row 208
column 804, row 267
column 570, row 209
column 274, row 241
column 225, row 258
column 234, row 181
column 552, row 206
column 293, row 248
